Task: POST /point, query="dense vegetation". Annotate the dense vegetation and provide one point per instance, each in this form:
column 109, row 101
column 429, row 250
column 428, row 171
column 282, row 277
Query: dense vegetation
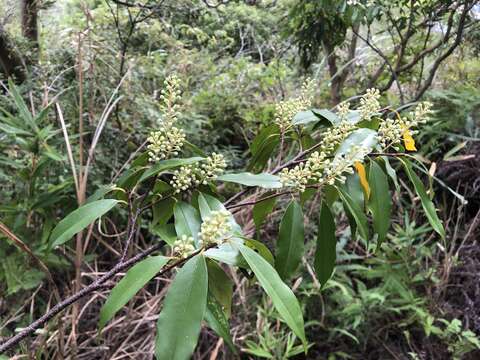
column 216, row 179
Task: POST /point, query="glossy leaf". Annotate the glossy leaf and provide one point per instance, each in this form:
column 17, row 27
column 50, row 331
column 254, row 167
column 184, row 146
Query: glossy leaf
column 262, row 147
column 304, row 117
column 220, row 286
column 356, row 212
column 328, row 115
column 187, row 220
column 326, row 252
column 227, row 253
column 260, row 249
column 101, row 192
column 290, row 244
column 79, row 219
column 264, row 180
column 180, row 320
column 132, row 282
column 281, row 295
column 366, row 138
column 380, row 202
column 391, row 172
column 169, row 164
column 208, row 203
column 261, row 210
column 165, row 232
column 427, row 204
column 218, row 322
column 163, row 211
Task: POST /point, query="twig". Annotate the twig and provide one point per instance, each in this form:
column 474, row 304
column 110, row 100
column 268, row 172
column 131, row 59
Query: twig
column 97, row 284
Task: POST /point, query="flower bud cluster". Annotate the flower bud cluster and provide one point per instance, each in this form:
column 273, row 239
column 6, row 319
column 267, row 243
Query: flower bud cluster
column 214, row 166
column 168, row 140
column 369, row 104
column 184, row 178
column 390, row 131
column 313, row 170
column 215, row 229
column 189, row 176
column 170, row 97
column 297, row 177
column 286, row 110
column 183, row 246
column 343, row 109
column 165, row 142
column 342, row 165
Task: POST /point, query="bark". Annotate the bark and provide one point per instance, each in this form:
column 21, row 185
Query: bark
column 29, row 21
column 11, row 64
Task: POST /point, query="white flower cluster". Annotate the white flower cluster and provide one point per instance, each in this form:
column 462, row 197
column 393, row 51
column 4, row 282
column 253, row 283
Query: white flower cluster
column 390, row 131
column 168, row 140
column 286, row 110
column 183, row 246
column 369, row 104
column 214, row 165
column 318, row 166
column 215, row 229
column 165, row 142
column 343, row 109
column 343, row 164
column 189, row 176
column 184, row 178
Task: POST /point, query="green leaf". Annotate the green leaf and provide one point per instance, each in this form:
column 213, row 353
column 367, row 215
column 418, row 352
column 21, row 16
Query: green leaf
column 304, row 117
column 184, row 307
column 328, row 115
column 391, row 172
column 290, row 244
column 366, row 138
column 263, row 146
column 218, row 322
column 163, row 211
column 354, row 188
column 380, row 202
column 164, row 165
column 132, row 282
column 261, row 210
column 208, row 203
column 79, row 219
column 326, row 252
column 220, row 286
column 282, row 297
column 356, row 212
column 227, row 253
column 101, row 192
column 260, row 249
column 21, row 106
column 263, row 136
column 427, row 204
column 187, row 220
column 263, row 180
column 165, row 232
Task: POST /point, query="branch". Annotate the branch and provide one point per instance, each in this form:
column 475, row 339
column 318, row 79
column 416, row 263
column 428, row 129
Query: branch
column 97, row 284
column 385, row 58
column 451, row 49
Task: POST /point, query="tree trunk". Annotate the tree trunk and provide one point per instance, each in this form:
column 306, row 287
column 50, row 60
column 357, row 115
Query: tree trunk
column 11, row 63
column 29, row 21
column 335, row 78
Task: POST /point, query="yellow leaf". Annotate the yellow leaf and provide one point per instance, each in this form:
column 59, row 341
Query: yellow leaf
column 409, row 141
column 363, row 178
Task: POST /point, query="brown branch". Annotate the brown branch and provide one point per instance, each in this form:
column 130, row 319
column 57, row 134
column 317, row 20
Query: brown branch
column 450, row 50
column 96, row 285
